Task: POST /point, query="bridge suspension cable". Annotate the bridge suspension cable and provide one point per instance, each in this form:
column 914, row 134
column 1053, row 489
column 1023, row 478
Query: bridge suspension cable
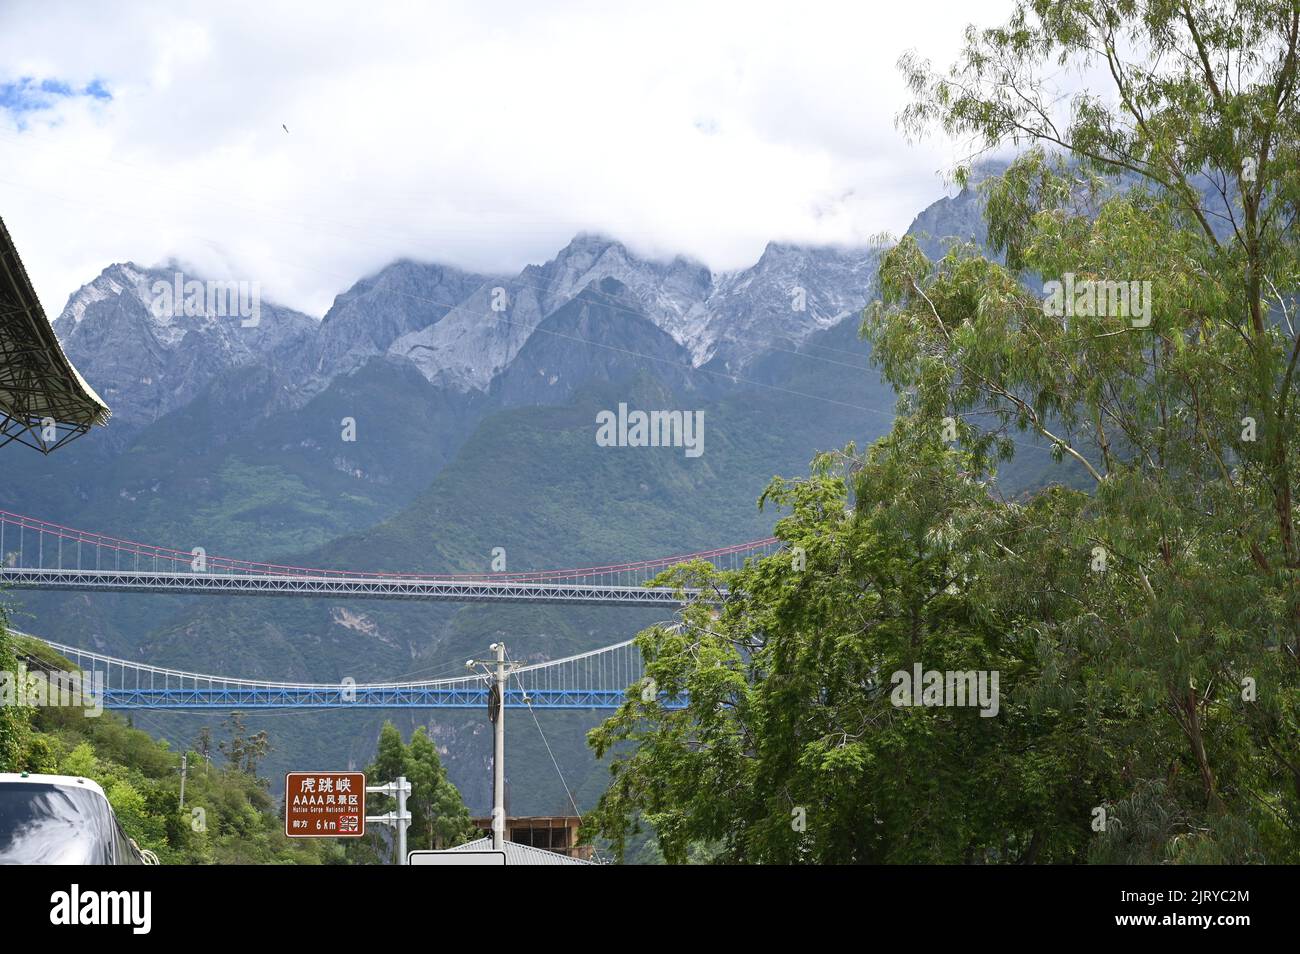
column 37, row 554
column 596, row 679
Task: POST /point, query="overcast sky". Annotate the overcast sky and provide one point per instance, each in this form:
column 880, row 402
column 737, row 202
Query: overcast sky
column 477, row 134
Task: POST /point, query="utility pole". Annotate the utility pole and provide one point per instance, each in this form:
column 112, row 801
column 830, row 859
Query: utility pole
column 184, row 759
column 499, row 753
column 497, row 672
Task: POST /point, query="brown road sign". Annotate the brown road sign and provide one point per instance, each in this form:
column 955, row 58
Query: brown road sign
column 325, row 804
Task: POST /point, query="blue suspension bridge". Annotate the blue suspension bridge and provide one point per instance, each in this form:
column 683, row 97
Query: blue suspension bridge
column 598, row 679
column 37, row 554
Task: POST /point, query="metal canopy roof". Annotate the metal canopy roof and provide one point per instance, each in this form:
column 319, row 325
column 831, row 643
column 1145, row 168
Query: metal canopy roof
column 517, row 854
column 44, row 401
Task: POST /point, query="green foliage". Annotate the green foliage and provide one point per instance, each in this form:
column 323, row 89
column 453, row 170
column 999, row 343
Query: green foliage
column 228, row 816
column 439, row 818
column 790, row 748
column 243, row 751
column 14, row 719
column 1145, row 621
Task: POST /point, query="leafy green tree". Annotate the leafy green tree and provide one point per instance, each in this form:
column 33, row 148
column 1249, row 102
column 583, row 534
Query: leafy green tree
column 791, row 748
column 1145, row 617
column 439, row 818
column 1185, row 176
column 390, row 756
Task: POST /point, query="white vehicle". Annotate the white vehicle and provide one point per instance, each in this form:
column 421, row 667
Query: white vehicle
column 61, row 820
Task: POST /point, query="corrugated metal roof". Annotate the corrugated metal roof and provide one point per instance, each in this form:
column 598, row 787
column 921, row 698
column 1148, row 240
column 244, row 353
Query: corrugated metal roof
column 517, row 854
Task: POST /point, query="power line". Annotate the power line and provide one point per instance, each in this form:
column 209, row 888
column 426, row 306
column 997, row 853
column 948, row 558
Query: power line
column 528, row 701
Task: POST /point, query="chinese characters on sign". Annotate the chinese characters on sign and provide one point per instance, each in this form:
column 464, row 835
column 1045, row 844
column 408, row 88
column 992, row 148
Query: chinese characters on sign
column 325, row 804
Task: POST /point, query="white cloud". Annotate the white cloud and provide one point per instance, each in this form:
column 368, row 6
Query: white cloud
column 479, row 134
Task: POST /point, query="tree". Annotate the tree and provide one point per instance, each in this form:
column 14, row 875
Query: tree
column 1137, row 325
column 233, row 749
column 390, row 756
column 439, row 818
column 242, row 751
column 1185, row 177
column 790, row 747
column 203, row 744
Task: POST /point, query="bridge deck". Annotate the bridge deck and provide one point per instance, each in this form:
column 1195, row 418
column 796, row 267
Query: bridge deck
column 446, row 590
column 361, row 697
column 595, row 679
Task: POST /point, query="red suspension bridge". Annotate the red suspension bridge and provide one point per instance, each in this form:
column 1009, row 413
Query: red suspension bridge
column 37, row 554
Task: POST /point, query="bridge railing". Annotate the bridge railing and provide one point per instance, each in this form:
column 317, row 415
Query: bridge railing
column 29, row 543
column 598, row 679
